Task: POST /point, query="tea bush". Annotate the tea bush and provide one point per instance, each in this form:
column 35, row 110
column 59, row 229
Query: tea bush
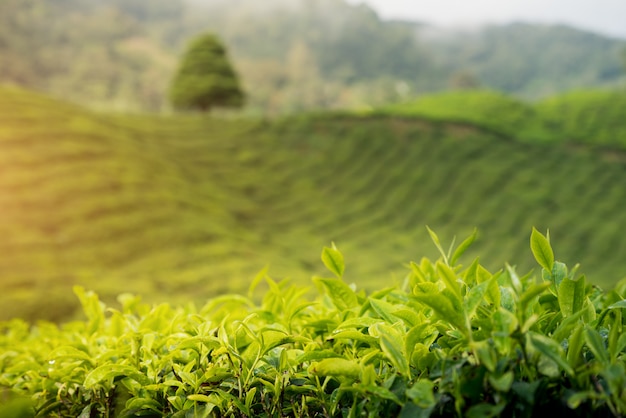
column 130, row 202
column 490, row 110
column 593, row 117
column 451, row 340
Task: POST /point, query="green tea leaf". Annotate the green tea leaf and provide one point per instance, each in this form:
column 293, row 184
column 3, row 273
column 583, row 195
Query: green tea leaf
column 382, row 393
column 342, row 296
column 107, row 372
column 541, row 249
column 470, row 275
column 504, row 324
column 596, row 345
column 417, row 272
column 531, row 293
column 333, row 260
column 485, row 354
column 565, row 327
column 391, row 343
column 359, row 322
column 384, row 310
column 463, row 247
column 92, row 307
column 257, row 279
column 578, row 398
column 421, row 393
column 558, row 274
column 475, row 296
column 353, row 335
column 70, row 352
column 621, row 343
column 409, row 317
column 614, row 333
column 250, row 397
column 484, row 410
column 503, row 382
column 336, row 367
column 493, row 295
column 444, row 307
column 141, row 403
column 618, row 305
column 316, row 355
column 435, row 240
column 449, row 278
column 422, row 333
column 571, row 295
column 575, row 346
column 550, row 349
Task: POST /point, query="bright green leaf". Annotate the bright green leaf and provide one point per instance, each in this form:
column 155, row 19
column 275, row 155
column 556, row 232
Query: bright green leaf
column 435, row 240
column 336, row 367
column 341, row 294
column 107, row 372
column 391, row 343
column 69, row 352
column 575, row 346
column 531, row 293
column 333, row 260
column 409, row 317
column 618, row 305
column 353, row 335
column 541, row 249
column 384, row 310
column 449, row 278
column 596, row 345
column 463, row 247
column 571, row 295
column 550, row 349
column 444, row 307
column 475, row 296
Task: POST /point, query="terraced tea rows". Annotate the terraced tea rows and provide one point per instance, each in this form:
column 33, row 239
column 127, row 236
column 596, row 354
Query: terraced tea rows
column 182, row 208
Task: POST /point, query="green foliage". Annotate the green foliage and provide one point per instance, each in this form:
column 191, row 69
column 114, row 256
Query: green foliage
column 450, row 341
column 128, row 202
column 121, row 54
column 205, row 78
column 490, row 110
column 533, row 60
column 595, row 118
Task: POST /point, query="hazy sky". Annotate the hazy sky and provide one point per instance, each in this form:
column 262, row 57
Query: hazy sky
column 607, row 17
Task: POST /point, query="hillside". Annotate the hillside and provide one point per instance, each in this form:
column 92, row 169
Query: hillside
column 529, row 60
column 292, row 55
column 183, row 208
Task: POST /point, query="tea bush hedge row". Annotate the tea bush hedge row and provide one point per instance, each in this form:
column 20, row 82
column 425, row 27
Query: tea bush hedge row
column 450, row 340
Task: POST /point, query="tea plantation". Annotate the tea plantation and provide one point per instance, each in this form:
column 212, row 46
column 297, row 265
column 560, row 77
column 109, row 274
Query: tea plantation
column 183, row 208
column 449, row 341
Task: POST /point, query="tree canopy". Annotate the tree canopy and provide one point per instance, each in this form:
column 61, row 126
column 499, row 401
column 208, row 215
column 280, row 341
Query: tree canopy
column 205, row 77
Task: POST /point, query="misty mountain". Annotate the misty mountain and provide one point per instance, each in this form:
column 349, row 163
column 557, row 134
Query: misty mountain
column 291, row 54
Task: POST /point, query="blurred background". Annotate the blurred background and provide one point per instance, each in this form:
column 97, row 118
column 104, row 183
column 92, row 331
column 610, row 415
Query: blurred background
column 139, row 154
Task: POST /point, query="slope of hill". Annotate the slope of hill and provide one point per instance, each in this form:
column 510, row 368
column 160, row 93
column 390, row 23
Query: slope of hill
column 595, row 118
column 490, row 110
column 181, row 208
column 530, row 60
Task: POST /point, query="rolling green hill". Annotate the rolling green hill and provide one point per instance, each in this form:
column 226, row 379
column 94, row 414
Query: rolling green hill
column 182, row 208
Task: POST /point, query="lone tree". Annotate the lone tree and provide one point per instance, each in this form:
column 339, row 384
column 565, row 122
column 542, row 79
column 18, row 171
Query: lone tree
column 205, row 78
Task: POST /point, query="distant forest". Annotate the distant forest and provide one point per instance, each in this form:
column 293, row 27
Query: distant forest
column 292, row 55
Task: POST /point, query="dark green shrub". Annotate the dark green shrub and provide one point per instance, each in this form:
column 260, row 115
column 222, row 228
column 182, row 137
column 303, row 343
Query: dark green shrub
column 205, row 77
